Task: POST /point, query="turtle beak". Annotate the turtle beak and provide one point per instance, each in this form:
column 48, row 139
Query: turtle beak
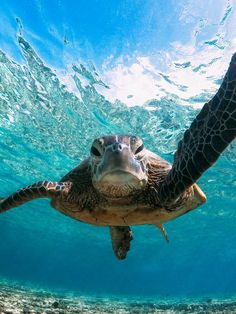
column 119, row 158
column 119, row 166
column 119, row 173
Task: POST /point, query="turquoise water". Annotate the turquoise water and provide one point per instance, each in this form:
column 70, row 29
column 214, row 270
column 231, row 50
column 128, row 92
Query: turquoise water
column 48, row 120
column 46, row 131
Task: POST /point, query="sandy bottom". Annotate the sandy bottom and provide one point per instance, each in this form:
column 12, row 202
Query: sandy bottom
column 15, row 299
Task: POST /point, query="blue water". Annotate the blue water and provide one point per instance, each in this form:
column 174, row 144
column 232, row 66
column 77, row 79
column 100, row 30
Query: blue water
column 45, row 131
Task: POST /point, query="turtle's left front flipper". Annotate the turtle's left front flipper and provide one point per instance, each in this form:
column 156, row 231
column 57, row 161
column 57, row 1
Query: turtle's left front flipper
column 121, row 238
column 42, row 189
column 211, row 132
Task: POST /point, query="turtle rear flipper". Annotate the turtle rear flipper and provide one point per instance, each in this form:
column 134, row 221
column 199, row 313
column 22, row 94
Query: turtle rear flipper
column 42, row 189
column 211, row 132
column 121, row 238
column 163, row 232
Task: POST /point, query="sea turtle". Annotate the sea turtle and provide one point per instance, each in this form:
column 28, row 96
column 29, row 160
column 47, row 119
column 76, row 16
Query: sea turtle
column 123, row 184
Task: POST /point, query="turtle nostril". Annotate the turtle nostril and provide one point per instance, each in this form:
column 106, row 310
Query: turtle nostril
column 117, row 147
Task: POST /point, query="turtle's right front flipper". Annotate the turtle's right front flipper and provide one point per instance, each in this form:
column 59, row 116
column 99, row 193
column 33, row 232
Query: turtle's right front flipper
column 42, row 189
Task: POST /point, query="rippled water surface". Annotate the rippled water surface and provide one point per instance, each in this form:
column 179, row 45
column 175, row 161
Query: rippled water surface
column 46, row 129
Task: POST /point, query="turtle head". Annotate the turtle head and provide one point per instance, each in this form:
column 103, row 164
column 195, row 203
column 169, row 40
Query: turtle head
column 118, row 165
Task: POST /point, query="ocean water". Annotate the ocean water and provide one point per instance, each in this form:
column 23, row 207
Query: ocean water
column 46, row 129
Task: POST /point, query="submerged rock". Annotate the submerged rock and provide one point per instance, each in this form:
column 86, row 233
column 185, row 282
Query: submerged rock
column 55, row 304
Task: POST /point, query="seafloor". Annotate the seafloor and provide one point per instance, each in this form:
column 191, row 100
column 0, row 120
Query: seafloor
column 15, row 299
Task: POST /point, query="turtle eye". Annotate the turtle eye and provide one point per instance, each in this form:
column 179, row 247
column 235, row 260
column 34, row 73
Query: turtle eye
column 95, row 152
column 139, row 149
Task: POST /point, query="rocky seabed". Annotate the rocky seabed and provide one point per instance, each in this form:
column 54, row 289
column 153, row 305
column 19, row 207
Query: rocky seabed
column 18, row 300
